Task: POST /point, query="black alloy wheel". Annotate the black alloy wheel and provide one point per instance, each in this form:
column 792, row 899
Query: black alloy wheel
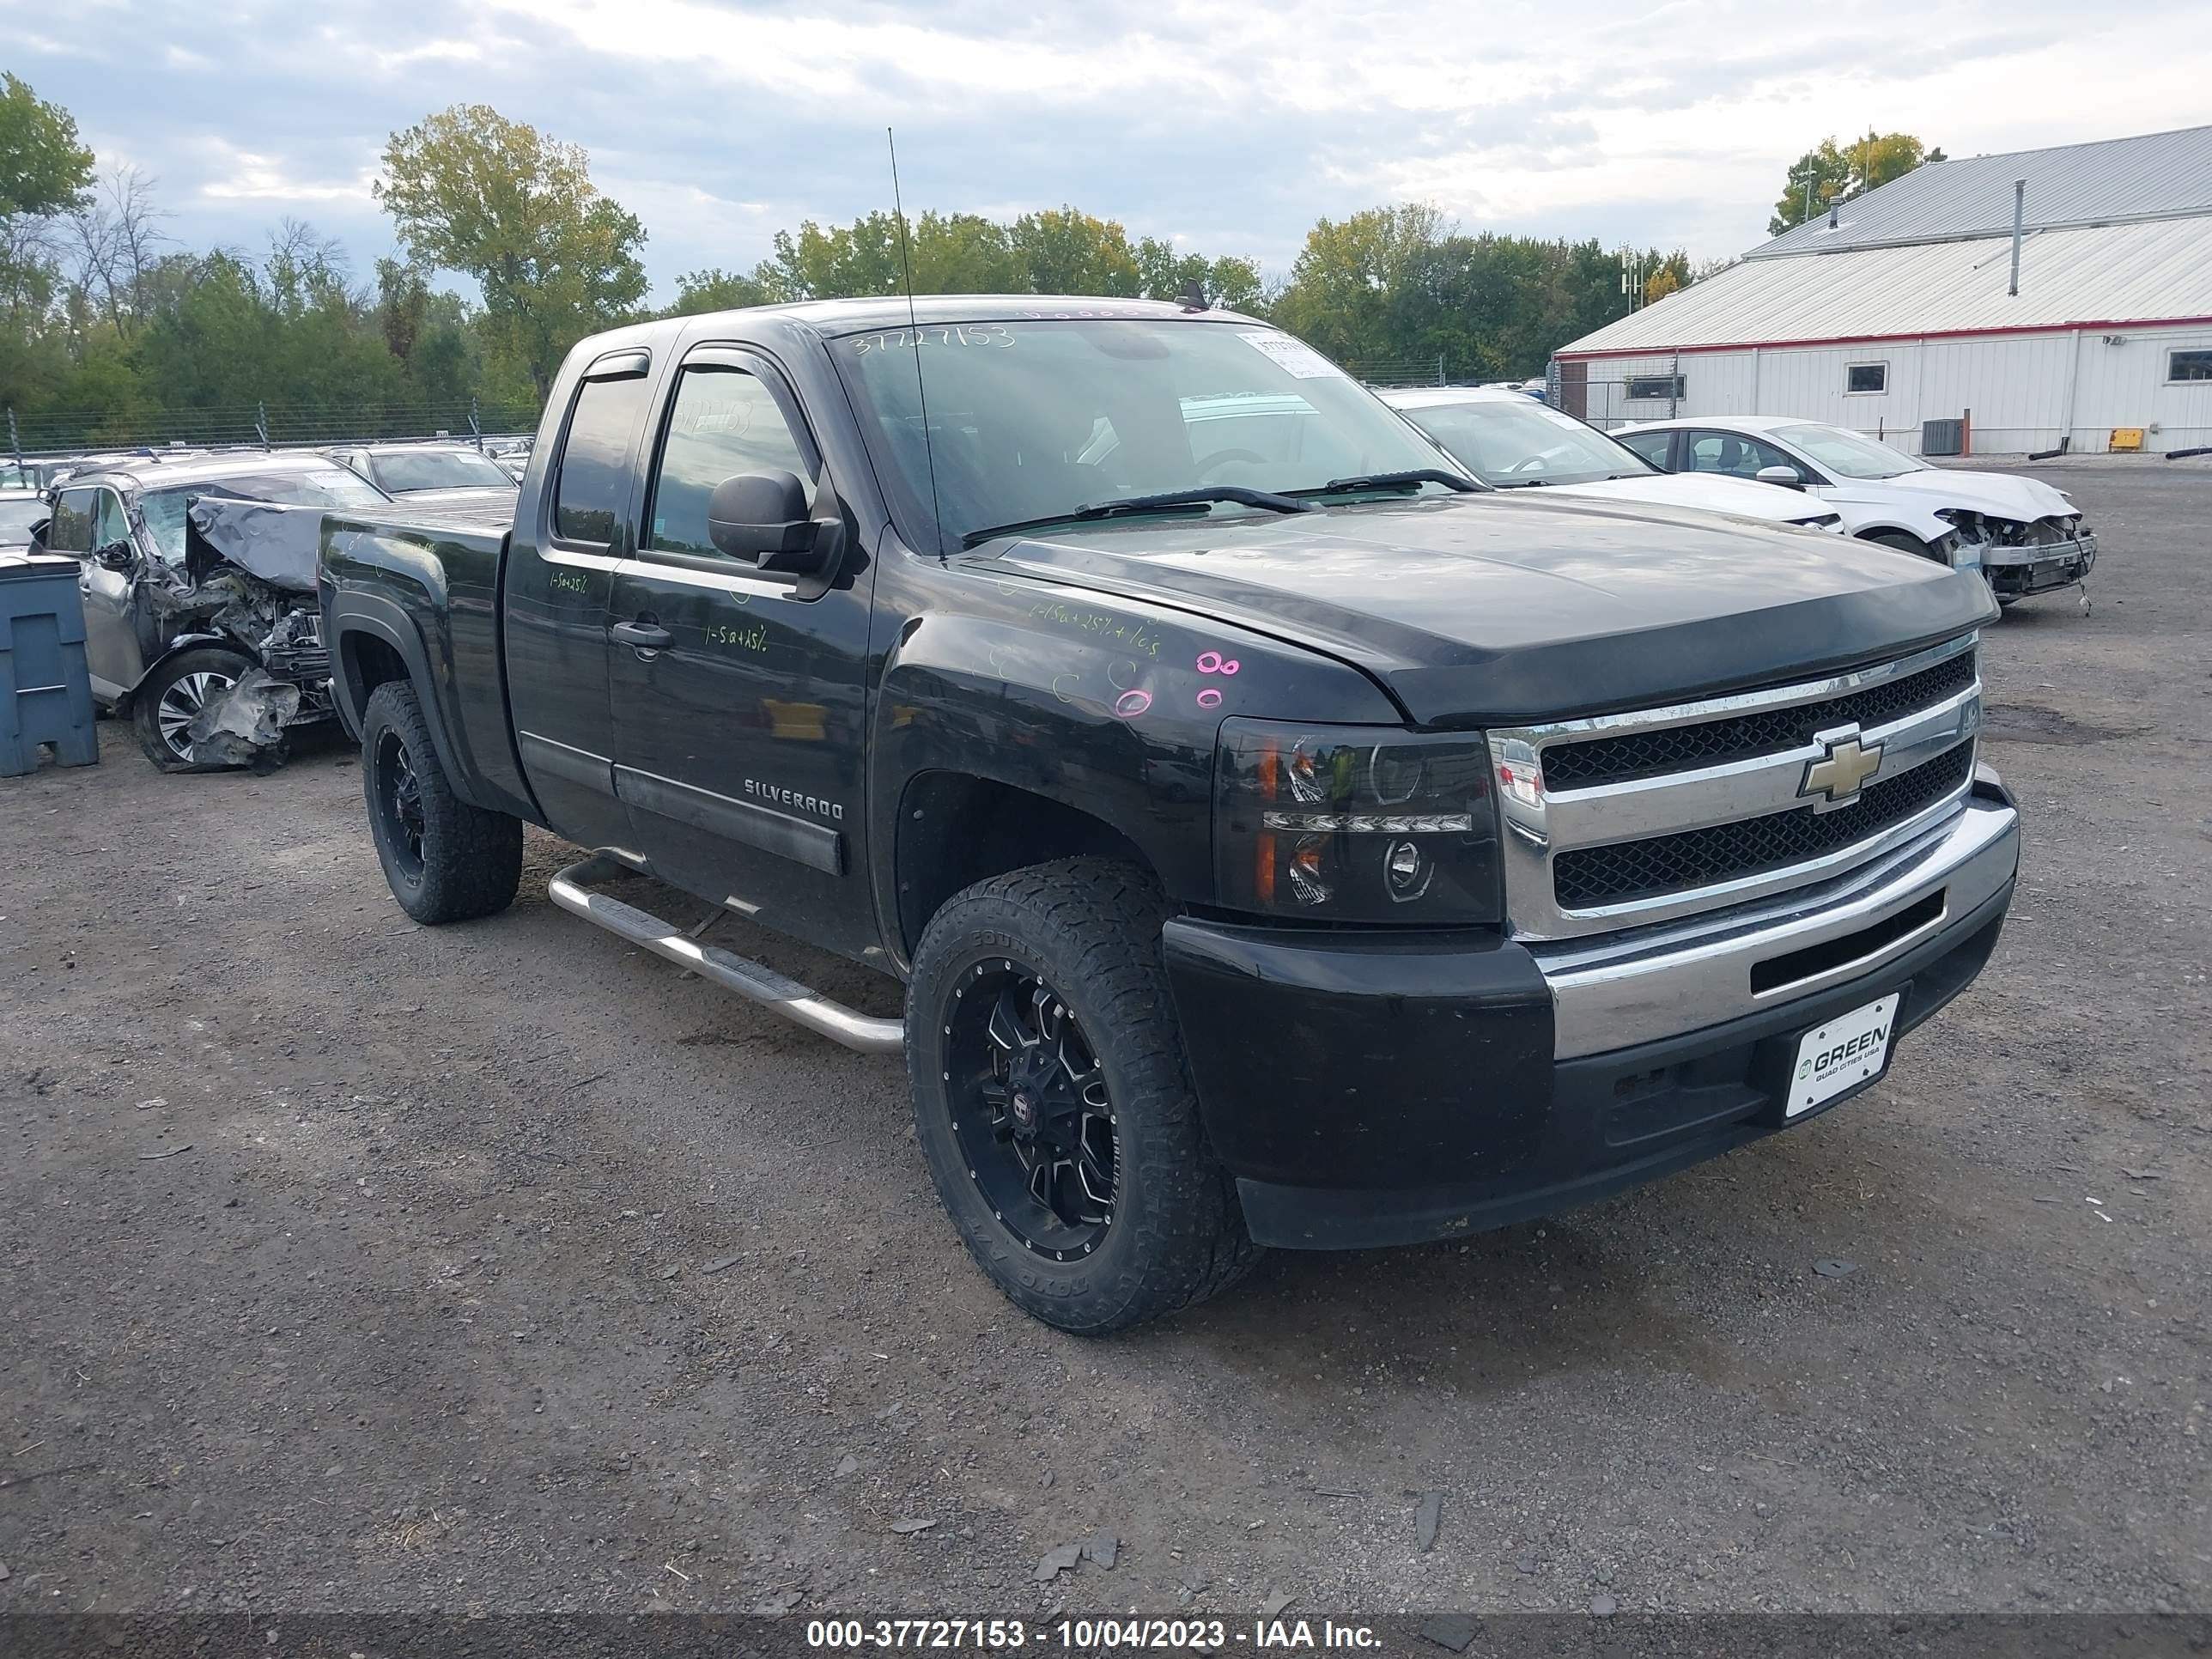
column 1031, row 1110
column 399, row 797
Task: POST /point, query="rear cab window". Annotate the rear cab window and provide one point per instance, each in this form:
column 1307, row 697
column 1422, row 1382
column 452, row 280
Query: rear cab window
column 593, row 485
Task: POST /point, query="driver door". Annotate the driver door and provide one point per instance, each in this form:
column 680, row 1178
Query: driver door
column 86, row 522
column 740, row 698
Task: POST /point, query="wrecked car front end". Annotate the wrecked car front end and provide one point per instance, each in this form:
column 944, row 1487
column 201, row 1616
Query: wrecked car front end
column 2021, row 557
column 246, row 584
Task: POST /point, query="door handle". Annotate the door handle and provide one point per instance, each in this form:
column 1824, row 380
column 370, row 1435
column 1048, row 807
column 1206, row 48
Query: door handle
column 645, row 634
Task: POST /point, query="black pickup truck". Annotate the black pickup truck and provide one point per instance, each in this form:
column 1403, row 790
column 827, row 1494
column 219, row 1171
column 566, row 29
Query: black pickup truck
column 1282, row 840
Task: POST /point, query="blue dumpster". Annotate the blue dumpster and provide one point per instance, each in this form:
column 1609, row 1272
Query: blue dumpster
column 45, row 695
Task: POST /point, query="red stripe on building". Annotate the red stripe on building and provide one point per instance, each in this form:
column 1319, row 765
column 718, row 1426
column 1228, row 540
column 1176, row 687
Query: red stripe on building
column 1886, row 339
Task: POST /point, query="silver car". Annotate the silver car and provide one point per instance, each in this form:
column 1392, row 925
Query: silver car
column 200, row 621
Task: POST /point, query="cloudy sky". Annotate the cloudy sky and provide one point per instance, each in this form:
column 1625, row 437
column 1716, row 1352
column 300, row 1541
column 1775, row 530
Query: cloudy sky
column 1226, row 124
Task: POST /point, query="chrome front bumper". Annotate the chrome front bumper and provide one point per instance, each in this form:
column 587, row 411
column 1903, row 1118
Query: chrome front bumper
column 1660, row 981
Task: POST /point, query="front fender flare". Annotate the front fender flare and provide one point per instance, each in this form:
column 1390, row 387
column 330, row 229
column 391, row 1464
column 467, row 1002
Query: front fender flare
column 1105, row 705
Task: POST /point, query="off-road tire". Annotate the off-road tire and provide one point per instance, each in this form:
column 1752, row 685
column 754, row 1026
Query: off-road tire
column 1091, row 928
column 471, row 860
column 146, row 702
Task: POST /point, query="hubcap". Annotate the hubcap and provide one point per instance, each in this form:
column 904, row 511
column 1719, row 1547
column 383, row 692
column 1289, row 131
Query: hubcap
column 1031, row 1110
column 400, row 792
column 181, row 705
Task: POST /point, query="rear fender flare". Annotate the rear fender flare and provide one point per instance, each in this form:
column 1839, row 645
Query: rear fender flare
column 379, row 618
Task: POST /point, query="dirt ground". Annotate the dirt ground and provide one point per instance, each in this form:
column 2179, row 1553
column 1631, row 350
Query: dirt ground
column 500, row 1268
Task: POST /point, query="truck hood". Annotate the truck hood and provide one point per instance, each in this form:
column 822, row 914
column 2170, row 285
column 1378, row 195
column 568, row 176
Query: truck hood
column 2001, row 495
column 1703, row 489
column 1502, row 609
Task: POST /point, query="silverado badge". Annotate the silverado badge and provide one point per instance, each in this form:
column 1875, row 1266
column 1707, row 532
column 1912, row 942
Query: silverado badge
column 1839, row 772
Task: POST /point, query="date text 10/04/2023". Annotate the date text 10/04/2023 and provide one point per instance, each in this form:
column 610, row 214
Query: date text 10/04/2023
column 1088, row 1635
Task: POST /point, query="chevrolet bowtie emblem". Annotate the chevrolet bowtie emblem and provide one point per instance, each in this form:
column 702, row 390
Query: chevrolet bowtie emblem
column 1839, row 774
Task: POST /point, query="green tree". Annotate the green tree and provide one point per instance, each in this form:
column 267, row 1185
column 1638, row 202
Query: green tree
column 1340, row 286
column 1231, row 283
column 44, row 169
column 1061, row 251
column 1835, row 173
column 717, row 289
column 470, row 191
column 44, row 172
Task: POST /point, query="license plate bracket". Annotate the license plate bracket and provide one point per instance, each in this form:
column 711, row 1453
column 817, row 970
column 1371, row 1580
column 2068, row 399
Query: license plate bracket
column 1841, row 1055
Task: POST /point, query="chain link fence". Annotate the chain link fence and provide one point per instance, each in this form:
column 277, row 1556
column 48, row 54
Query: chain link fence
column 66, row 432
column 1397, row 371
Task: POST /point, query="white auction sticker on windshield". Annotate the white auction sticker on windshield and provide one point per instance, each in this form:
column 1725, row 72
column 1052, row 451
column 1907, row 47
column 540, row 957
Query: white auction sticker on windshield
column 1300, row 360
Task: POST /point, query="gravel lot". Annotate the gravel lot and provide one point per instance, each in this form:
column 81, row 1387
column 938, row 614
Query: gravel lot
column 500, row 1268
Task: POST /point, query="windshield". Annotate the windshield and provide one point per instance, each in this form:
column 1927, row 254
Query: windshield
column 436, row 469
column 1032, row 420
column 16, row 518
column 1847, row 454
column 164, row 510
column 1507, row 444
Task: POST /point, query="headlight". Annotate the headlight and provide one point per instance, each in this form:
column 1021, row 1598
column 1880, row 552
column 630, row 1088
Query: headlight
column 1355, row 823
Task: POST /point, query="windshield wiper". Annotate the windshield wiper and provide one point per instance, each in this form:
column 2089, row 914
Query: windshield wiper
column 1170, row 500
column 1405, row 480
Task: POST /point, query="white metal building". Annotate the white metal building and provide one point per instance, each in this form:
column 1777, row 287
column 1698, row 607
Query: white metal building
column 1900, row 312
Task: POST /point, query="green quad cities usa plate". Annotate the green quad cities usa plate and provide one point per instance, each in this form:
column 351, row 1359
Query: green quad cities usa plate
column 1849, row 1050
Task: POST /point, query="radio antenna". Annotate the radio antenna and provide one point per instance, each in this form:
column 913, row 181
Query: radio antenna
column 914, row 330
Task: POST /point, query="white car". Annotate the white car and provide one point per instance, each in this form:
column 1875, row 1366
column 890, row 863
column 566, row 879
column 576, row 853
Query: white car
column 2025, row 535
column 1511, row 442
column 430, row 473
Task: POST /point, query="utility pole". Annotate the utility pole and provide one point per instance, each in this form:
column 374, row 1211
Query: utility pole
column 2019, row 215
column 1632, row 278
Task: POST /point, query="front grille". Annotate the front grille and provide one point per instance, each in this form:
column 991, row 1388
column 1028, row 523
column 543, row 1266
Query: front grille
column 1741, row 737
column 1589, row 878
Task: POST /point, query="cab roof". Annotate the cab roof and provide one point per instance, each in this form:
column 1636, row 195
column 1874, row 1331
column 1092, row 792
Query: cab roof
column 832, row 318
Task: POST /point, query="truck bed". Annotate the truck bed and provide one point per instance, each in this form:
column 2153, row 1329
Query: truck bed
column 428, row 579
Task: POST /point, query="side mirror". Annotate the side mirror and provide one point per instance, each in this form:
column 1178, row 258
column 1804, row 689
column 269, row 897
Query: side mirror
column 1788, row 477
column 116, row 556
column 762, row 517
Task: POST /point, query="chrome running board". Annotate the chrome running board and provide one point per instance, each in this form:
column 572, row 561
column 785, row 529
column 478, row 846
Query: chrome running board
column 570, row 889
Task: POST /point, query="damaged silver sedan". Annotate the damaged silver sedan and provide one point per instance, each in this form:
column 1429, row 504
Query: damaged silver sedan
column 199, row 578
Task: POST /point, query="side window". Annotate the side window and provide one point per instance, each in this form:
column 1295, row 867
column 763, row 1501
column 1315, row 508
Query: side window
column 109, row 526
column 1651, row 445
column 71, row 529
column 1729, row 453
column 723, row 421
column 594, row 476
